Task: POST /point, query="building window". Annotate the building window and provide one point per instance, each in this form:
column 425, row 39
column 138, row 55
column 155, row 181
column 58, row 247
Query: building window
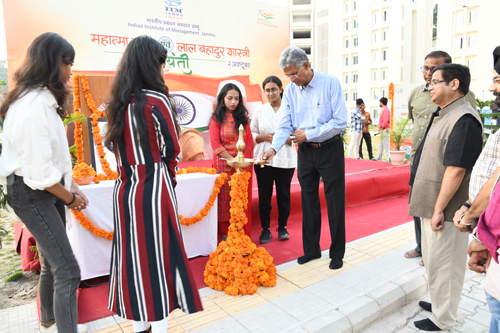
column 375, row 97
column 355, row 41
column 354, row 95
column 301, row 18
column 384, row 55
column 347, row 8
column 354, row 24
column 374, row 56
column 347, row 26
column 301, row 2
column 354, row 78
column 383, row 76
column 374, row 76
column 471, row 41
column 375, row 18
column 347, row 61
column 473, row 16
column 346, row 79
column 385, row 15
column 355, row 60
column 354, row 5
column 346, row 96
column 384, row 36
column 347, row 43
column 383, row 92
column 374, row 37
column 307, row 50
column 301, row 34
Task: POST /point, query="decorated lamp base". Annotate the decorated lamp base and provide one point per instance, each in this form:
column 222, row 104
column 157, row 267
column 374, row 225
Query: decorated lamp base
column 238, row 266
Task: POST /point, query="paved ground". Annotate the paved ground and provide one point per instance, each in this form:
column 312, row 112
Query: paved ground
column 377, row 290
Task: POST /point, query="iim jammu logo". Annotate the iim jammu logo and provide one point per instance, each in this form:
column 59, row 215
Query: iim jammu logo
column 173, row 3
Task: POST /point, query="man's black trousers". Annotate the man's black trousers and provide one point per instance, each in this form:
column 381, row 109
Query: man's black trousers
column 326, row 161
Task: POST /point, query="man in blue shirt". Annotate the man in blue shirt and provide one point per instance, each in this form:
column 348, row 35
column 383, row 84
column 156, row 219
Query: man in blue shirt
column 314, row 115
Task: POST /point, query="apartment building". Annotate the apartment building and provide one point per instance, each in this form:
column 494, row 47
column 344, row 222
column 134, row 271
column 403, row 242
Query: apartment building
column 468, row 30
column 368, row 44
column 302, row 26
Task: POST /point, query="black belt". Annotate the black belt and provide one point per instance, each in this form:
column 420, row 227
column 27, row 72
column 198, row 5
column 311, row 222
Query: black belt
column 324, row 143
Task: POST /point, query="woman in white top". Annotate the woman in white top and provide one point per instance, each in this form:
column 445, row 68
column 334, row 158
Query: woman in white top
column 37, row 164
column 281, row 168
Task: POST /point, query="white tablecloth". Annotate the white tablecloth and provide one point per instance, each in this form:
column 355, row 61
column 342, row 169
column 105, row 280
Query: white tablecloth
column 94, row 253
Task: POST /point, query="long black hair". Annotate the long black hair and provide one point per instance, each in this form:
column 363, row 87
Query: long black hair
column 273, row 79
column 240, row 114
column 139, row 69
column 42, row 68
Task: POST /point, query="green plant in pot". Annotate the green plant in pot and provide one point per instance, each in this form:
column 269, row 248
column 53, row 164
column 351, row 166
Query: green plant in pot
column 399, row 134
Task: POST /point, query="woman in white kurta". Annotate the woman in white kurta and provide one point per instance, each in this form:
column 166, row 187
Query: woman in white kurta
column 281, row 168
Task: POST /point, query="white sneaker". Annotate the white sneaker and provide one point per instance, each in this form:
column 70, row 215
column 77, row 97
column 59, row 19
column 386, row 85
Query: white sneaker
column 80, row 328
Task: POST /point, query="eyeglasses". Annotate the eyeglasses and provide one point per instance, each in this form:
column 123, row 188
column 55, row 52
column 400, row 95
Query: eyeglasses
column 292, row 77
column 271, row 92
column 426, row 69
column 496, row 80
column 434, row 82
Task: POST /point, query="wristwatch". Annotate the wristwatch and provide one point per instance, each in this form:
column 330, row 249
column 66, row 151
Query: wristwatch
column 465, row 204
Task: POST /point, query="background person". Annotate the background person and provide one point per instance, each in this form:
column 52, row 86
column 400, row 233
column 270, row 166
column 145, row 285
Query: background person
column 230, row 112
column 142, row 131
column 486, row 239
column 357, row 125
column 366, row 133
column 280, row 169
column 384, row 124
column 321, row 149
column 36, row 161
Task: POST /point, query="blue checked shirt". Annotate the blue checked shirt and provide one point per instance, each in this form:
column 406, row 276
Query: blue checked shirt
column 357, row 120
column 318, row 108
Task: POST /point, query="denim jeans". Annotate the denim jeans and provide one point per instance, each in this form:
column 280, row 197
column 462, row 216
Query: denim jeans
column 44, row 216
column 494, row 306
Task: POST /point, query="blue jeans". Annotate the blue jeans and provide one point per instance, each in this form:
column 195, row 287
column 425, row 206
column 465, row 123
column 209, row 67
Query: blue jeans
column 494, row 306
column 44, row 216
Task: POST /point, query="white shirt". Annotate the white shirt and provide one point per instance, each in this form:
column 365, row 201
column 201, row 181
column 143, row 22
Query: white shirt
column 265, row 121
column 35, row 146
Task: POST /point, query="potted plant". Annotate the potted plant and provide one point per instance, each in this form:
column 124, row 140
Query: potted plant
column 399, row 134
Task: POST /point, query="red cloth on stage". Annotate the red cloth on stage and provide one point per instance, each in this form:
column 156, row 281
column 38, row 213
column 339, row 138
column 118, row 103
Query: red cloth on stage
column 224, row 137
column 25, row 240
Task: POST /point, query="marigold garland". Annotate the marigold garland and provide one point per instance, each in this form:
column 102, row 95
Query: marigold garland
column 85, row 222
column 78, row 125
column 237, row 266
column 221, row 179
column 96, row 114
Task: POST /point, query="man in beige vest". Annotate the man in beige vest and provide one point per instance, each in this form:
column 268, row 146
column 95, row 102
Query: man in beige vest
column 440, row 182
column 420, row 109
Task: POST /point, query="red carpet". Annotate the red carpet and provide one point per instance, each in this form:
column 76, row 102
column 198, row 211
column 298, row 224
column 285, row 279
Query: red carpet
column 376, row 200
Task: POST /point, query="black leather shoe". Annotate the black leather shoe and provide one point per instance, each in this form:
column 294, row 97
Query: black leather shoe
column 304, row 259
column 336, row 264
column 425, row 305
column 283, row 233
column 426, row 325
column 265, row 236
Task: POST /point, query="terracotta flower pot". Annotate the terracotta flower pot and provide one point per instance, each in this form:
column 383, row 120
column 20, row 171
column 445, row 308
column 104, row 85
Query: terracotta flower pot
column 397, row 157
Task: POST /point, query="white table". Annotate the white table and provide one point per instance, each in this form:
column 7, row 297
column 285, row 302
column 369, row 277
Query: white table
column 93, row 253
